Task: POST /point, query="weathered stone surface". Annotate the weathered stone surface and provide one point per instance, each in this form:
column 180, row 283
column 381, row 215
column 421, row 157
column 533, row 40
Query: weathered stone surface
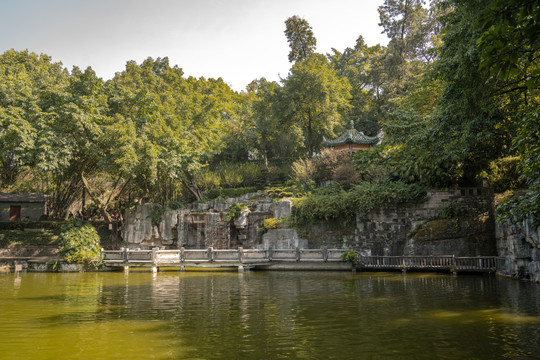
column 241, row 222
column 282, row 239
column 283, row 209
column 202, row 225
column 138, row 225
column 169, row 221
column 520, row 245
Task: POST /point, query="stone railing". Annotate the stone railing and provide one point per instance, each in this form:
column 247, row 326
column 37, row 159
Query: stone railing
column 171, row 257
column 156, row 257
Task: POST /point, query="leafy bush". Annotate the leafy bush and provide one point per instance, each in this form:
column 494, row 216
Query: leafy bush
column 282, row 192
column 79, row 243
column 229, row 193
column 503, row 174
column 270, row 223
column 334, row 203
column 156, row 214
column 303, row 172
column 235, row 210
column 346, row 175
column 350, row 256
column 232, row 175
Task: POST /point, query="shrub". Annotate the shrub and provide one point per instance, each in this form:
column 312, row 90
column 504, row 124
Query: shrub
column 235, row 210
column 327, row 163
column 270, row 223
column 346, row 175
column 302, row 173
column 229, row 193
column 79, row 243
column 503, row 174
column 334, row 203
column 350, row 256
column 156, row 214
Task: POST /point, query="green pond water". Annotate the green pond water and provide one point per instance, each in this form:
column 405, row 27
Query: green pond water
column 267, row 315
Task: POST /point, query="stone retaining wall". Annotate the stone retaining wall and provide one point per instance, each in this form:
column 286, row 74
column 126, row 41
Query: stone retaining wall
column 456, row 222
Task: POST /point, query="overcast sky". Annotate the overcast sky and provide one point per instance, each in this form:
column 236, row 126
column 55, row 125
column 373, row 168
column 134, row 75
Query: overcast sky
column 237, row 40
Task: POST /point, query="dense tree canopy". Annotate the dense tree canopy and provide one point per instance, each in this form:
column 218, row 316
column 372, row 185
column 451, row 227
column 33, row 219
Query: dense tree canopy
column 456, row 91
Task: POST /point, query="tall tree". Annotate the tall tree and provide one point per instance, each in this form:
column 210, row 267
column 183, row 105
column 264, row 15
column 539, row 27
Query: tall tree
column 412, row 30
column 300, row 37
column 509, row 48
column 362, row 67
column 313, row 95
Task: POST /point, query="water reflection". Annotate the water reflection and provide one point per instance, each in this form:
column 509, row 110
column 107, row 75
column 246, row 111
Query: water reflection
column 268, row 315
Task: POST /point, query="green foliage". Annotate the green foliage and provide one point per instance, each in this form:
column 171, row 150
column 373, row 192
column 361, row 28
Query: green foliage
column 229, row 193
column 346, row 175
column 235, row 210
column 503, row 174
column 334, row 203
column 453, row 211
column 302, row 173
column 232, row 175
column 156, row 214
column 270, row 223
column 300, row 38
column 350, row 256
column 283, row 192
column 79, row 243
column 313, row 96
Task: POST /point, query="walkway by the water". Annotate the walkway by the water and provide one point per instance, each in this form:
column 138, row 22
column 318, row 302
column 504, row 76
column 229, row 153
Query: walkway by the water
column 318, row 259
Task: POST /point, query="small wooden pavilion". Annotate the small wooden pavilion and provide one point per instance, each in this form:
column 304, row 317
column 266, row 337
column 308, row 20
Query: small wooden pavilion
column 352, row 140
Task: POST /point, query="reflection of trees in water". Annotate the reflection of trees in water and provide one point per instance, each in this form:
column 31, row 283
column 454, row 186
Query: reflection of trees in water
column 300, row 314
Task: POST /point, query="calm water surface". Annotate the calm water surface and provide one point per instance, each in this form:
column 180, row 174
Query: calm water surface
column 267, row 315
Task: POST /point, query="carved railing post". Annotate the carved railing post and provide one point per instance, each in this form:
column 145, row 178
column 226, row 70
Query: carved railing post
column 182, row 254
column 210, row 252
column 241, row 254
column 297, row 250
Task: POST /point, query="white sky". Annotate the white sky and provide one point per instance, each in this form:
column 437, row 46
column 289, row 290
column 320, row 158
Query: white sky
column 237, row 40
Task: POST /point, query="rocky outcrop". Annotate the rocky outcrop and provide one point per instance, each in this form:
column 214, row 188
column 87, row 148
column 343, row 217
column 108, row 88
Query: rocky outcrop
column 203, row 225
column 519, row 244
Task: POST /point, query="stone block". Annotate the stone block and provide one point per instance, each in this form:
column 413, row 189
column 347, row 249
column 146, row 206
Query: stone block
column 282, row 239
column 283, row 209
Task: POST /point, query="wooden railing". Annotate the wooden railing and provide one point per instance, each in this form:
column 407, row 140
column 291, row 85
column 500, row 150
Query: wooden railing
column 181, row 256
column 440, row 262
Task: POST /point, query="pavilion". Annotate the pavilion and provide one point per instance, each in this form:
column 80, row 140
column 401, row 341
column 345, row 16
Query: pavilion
column 353, row 140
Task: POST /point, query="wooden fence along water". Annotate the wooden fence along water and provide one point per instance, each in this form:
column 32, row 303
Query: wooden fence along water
column 254, row 257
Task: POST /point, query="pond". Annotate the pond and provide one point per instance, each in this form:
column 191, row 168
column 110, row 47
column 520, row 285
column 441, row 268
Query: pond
column 267, row 315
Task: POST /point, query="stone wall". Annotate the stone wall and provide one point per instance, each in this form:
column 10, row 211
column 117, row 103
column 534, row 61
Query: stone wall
column 459, row 222
column 519, row 244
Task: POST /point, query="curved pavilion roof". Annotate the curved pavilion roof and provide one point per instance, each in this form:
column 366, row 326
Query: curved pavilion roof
column 352, row 136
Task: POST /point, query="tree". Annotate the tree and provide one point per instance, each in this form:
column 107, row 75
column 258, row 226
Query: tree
column 300, row 38
column 412, row 30
column 178, row 123
column 313, row 95
column 361, row 65
column 31, row 87
column 509, row 48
